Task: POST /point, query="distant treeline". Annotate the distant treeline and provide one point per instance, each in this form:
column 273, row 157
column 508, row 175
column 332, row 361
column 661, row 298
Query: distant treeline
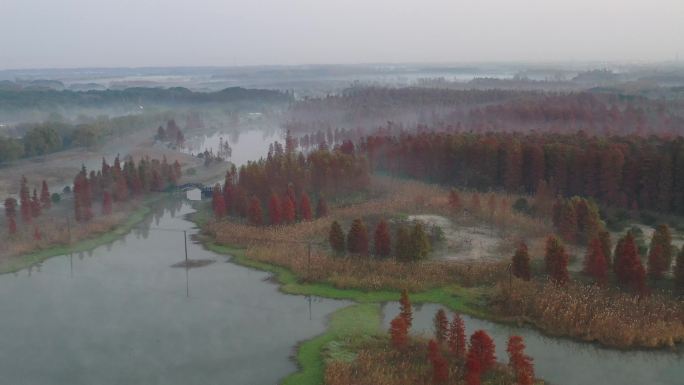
column 47, row 99
column 601, row 113
column 619, row 171
column 45, row 138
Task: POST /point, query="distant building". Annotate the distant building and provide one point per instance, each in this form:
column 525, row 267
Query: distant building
column 194, row 194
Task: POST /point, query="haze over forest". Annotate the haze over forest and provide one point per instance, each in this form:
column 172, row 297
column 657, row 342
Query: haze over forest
column 86, row 33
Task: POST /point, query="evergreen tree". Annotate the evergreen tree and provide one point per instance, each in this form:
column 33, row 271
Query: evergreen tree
column 336, row 237
column 595, row 262
column 660, row 252
column 402, row 245
column 556, row 260
column 441, row 323
column 357, row 238
column 521, row 263
column 382, row 239
column 420, row 244
column 255, row 215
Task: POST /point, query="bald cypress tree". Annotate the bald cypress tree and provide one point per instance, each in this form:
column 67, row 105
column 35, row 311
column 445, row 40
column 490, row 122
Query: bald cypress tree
column 556, row 260
column 357, row 238
column 336, row 237
column 382, row 239
column 679, row 271
column 521, row 263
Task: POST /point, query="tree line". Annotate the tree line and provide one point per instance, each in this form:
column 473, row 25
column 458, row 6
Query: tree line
column 619, row 171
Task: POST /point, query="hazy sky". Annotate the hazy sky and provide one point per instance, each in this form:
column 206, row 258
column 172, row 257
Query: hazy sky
column 85, row 33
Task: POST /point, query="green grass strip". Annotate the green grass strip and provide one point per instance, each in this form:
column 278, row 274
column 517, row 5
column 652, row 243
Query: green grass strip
column 356, row 321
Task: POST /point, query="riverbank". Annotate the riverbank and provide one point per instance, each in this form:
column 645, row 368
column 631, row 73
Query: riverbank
column 90, row 240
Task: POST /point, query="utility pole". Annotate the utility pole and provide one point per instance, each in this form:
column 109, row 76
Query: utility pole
column 308, row 269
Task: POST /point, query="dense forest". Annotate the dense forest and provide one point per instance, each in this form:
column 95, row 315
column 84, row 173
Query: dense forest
column 621, row 171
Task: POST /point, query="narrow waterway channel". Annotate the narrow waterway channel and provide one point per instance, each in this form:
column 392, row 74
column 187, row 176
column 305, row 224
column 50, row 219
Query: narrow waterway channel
column 122, row 315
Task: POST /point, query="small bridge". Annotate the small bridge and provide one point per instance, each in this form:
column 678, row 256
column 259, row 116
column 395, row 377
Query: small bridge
column 206, row 190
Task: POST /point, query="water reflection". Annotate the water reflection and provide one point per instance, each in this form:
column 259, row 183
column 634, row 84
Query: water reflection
column 124, row 316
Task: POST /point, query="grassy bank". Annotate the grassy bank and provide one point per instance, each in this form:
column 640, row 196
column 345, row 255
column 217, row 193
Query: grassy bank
column 14, row 264
column 457, row 298
column 347, row 326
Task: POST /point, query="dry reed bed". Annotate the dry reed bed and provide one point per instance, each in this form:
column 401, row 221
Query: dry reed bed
column 287, row 246
column 379, row 364
column 59, row 232
column 592, row 313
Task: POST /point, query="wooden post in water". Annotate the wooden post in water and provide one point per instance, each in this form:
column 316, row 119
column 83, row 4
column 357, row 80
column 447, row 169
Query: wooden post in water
column 187, row 266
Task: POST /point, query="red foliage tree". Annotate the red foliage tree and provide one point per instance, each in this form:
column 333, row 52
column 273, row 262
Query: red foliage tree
column 656, row 262
column 457, row 343
column 321, row 208
column 406, row 311
column 441, row 323
column 274, row 213
column 627, row 266
column 218, row 203
column 482, row 349
column 357, row 238
column 383, row 242
column 255, row 215
column 520, row 266
column 567, row 226
column 11, row 214
column 454, row 201
column 25, row 201
column 35, row 205
column 440, row 369
column 11, row 225
column 399, row 333
column 288, row 210
column 106, row 203
column 36, row 233
column 45, row 196
column 520, row 363
column 595, row 262
column 473, row 371
column 305, row 207
column 556, row 260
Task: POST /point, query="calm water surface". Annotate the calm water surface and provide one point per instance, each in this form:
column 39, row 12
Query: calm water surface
column 122, row 315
